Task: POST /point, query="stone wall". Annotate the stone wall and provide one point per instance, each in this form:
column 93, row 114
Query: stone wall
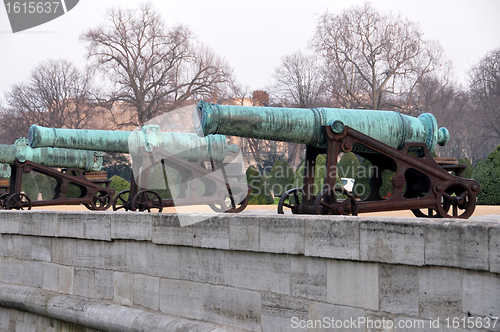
column 248, row 272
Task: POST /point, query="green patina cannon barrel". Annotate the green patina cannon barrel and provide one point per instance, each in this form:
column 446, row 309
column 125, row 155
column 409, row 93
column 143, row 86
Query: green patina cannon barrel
column 304, row 125
column 51, row 157
column 4, row 171
column 185, row 145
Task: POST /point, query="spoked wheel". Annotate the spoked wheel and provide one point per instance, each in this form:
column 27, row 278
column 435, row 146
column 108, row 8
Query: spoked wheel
column 327, row 203
column 458, row 200
column 234, row 202
column 18, row 202
column 121, row 201
column 101, row 200
column 3, row 201
column 146, row 200
column 291, row 199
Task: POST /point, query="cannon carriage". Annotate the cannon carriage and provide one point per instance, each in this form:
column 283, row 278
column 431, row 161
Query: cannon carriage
column 66, row 167
column 198, row 161
column 389, row 140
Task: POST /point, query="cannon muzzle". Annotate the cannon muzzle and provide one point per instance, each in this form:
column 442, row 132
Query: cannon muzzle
column 298, row 125
column 185, row 145
column 51, row 157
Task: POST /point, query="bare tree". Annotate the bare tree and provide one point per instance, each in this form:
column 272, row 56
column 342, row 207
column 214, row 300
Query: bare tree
column 484, row 91
column 298, row 80
column 375, row 59
column 57, row 94
column 153, row 69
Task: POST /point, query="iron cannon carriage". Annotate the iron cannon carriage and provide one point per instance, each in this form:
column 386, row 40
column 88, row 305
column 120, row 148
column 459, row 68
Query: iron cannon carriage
column 71, row 184
column 388, row 140
column 204, row 178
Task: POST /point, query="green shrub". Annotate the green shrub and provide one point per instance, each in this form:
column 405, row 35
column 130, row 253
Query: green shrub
column 487, row 173
column 29, row 186
column 469, row 170
column 119, row 184
column 260, row 192
column 44, row 186
column 363, row 176
column 348, row 166
column 281, row 177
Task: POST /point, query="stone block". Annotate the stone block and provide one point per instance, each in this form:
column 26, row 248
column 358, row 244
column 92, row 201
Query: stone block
column 33, row 273
column 4, row 319
column 12, row 271
column 97, row 225
column 392, row 242
column 84, row 282
column 182, row 298
column 494, row 249
column 481, row 294
column 236, row 307
column 64, row 251
column 326, row 317
column 258, row 271
column 41, row 248
column 282, row 235
column 147, row 291
column 164, row 261
column 123, row 288
column 332, row 237
column 16, row 246
column 458, row 244
column 244, row 234
column 136, row 257
column 132, row 226
column 399, row 289
column 50, row 276
column 10, row 222
column 66, row 279
column 212, row 233
column 104, row 284
column 202, row 265
column 440, row 292
column 353, row 284
column 279, row 310
column 70, row 225
column 308, row 278
column 47, row 223
column 91, row 225
column 29, row 224
column 167, row 230
column 101, row 254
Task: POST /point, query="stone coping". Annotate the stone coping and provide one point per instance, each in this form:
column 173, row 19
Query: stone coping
column 468, row 244
column 98, row 315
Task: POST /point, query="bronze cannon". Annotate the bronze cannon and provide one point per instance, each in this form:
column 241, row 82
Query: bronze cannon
column 73, row 164
column 389, row 140
column 194, row 157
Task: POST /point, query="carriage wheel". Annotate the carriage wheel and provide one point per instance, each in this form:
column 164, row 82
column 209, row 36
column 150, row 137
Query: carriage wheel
column 18, row 202
column 291, row 199
column 121, row 201
column 3, row 200
column 458, row 200
column 229, row 205
column 146, row 200
column 100, row 201
column 328, row 204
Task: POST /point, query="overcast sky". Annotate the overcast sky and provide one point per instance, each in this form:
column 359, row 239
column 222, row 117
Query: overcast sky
column 253, row 35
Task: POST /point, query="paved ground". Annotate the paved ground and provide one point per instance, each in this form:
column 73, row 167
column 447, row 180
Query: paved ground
column 481, row 210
